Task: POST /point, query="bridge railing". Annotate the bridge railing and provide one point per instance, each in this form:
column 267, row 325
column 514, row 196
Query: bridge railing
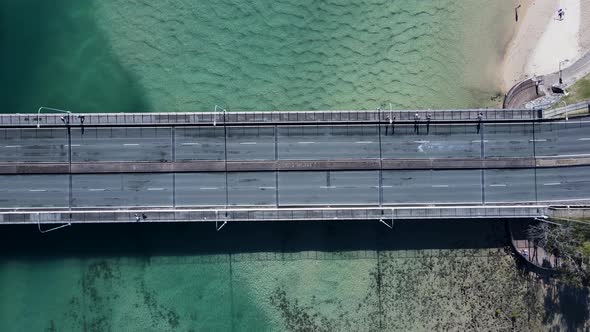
column 121, row 119
column 272, row 214
column 565, row 110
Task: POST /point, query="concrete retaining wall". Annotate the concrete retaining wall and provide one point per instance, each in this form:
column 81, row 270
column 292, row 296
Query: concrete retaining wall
column 521, row 93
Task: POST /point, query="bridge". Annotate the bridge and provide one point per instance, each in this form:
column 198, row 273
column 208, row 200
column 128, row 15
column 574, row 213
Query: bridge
column 275, row 166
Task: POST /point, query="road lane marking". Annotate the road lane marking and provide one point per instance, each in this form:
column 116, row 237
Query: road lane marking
column 537, row 140
column 12, row 146
column 97, row 189
column 155, row 189
column 191, row 143
column 208, row 188
column 72, row 145
column 377, row 187
column 584, row 139
column 440, row 186
column 497, row 185
column 328, row 187
column 130, row 144
column 248, row 143
column 305, row 142
column 421, row 142
column 37, row 190
column 479, row 141
column 552, row 184
column 263, row 188
column 364, row 142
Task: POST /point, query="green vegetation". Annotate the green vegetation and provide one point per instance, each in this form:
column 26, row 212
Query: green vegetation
column 579, row 91
column 570, row 241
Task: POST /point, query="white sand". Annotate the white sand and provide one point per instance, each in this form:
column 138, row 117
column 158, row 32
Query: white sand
column 542, row 41
column 585, row 25
column 559, row 42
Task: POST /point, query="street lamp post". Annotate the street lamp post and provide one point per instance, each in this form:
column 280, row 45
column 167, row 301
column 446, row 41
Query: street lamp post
column 560, row 70
column 42, row 108
column 215, row 115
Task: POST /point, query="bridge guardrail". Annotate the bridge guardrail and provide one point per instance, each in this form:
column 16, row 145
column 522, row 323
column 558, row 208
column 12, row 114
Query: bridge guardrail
column 271, row 214
column 7, row 120
column 583, row 105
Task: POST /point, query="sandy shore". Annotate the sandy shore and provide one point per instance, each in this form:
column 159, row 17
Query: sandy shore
column 541, row 40
column 585, row 25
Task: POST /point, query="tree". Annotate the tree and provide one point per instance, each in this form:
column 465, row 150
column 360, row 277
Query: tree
column 571, row 243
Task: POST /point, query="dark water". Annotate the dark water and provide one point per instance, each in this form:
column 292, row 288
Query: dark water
column 253, row 277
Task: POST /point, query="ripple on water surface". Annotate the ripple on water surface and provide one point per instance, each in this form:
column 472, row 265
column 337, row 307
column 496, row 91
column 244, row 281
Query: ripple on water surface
column 258, row 55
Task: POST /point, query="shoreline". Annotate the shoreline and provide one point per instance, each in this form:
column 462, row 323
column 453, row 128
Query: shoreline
column 540, row 40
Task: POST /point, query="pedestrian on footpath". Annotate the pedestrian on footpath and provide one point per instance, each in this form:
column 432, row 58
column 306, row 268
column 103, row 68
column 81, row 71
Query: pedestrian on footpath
column 479, row 119
column 416, row 127
column 428, row 118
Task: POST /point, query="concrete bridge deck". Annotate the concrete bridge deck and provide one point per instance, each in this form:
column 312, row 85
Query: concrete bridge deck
column 351, row 167
column 318, row 142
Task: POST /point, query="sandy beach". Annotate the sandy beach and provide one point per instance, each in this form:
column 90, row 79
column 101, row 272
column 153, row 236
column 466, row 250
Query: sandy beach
column 542, row 40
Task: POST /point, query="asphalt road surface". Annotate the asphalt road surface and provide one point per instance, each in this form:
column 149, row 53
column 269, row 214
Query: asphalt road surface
column 297, row 188
column 295, row 142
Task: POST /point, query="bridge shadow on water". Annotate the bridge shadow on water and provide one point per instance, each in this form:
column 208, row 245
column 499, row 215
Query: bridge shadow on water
column 202, row 239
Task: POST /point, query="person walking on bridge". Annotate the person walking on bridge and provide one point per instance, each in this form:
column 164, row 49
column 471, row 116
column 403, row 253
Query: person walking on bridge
column 428, row 118
column 416, row 119
column 479, row 119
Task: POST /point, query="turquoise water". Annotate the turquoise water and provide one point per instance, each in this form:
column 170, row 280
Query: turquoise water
column 187, row 55
column 264, row 277
column 123, row 55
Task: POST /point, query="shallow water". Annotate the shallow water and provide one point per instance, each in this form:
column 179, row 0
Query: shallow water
column 186, row 55
column 261, row 277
